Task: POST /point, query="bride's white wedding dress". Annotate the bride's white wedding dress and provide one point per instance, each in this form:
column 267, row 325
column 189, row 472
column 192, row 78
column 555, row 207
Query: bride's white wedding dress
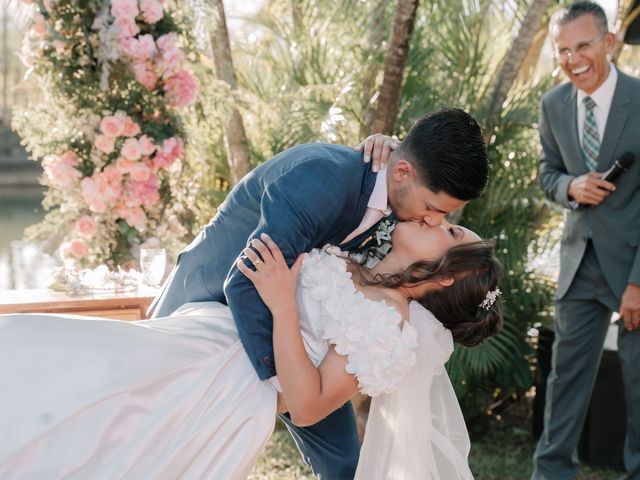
column 177, row 397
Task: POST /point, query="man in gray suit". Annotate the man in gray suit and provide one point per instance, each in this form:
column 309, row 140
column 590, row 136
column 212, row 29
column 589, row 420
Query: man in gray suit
column 585, row 125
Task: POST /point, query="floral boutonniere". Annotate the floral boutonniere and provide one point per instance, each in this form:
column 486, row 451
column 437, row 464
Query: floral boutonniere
column 383, row 232
column 378, row 244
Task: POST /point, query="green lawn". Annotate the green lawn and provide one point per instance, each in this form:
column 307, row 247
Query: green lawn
column 505, row 450
column 502, row 452
column 281, row 460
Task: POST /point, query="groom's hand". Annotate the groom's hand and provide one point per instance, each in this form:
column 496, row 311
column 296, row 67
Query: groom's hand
column 378, row 148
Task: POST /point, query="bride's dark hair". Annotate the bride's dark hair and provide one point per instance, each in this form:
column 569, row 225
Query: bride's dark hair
column 460, row 307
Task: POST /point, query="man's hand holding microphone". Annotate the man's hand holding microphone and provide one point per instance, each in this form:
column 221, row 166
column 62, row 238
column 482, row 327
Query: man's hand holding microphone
column 593, row 187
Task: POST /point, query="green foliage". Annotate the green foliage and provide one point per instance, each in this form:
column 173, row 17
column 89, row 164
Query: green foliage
column 300, row 71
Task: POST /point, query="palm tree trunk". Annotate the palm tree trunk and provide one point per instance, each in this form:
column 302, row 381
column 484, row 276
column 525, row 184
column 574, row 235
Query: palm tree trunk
column 394, row 64
column 374, row 41
column 235, row 138
column 513, row 60
column 628, row 15
column 527, row 69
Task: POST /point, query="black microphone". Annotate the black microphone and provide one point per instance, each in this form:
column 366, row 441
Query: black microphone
column 619, row 166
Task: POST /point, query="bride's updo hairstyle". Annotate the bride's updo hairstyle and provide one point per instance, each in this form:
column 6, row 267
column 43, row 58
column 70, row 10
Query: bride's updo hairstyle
column 470, row 308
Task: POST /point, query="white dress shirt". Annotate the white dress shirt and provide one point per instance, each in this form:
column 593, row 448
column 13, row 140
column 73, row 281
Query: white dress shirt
column 602, row 97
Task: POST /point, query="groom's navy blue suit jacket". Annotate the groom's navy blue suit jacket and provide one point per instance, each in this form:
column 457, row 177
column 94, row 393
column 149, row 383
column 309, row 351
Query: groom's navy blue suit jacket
column 305, row 197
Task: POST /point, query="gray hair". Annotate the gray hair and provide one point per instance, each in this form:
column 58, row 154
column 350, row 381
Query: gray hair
column 576, row 10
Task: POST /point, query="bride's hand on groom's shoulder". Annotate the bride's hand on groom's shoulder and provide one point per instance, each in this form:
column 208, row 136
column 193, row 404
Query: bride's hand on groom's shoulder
column 378, row 148
column 275, row 282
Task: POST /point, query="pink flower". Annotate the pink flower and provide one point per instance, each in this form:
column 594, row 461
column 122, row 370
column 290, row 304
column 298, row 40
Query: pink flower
column 173, row 146
column 112, row 126
column 146, row 193
column 145, row 75
column 146, row 145
column 39, row 26
column 131, row 128
column 140, row 172
column 79, row 248
column 61, row 170
column 124, row 9
column 146, row 47
column 169, row 61
column 151, row 10
column 86, row 226
column 70, row 159
column 112, row 174
column 105, row 144
column 172, row 149
column 124, row 165
column 181, row 88
column 134, row 216
column 127, row 27
column 142, row 48
column 130, row 199
column 126, row 44
column 91, row 192
column 168, row 41
column 131, row 149
column 101, row 190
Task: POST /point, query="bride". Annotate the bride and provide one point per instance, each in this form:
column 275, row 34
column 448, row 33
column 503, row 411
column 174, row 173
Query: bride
column 177, row 397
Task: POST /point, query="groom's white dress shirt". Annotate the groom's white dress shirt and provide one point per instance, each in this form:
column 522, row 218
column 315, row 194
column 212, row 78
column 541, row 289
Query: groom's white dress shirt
column 377, row 208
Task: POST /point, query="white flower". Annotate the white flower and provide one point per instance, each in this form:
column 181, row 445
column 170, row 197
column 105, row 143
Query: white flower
column 383, row 232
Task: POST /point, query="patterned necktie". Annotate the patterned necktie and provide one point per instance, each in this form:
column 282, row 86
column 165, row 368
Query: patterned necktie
column 371, row 217
column 590, row 138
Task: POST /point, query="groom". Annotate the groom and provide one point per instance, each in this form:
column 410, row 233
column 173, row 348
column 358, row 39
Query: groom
column 309, row 196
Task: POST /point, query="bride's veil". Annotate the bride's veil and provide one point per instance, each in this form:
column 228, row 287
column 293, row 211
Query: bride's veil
column 418, row 431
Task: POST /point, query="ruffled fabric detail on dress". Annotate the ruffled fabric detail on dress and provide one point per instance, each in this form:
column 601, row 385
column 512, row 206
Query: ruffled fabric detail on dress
column 379, row 350
column 418, row 431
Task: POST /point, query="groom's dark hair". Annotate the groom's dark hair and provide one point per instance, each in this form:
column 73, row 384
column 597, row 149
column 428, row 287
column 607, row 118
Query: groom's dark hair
column 448, row 151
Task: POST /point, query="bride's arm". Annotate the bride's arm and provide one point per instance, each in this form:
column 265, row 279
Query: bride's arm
column 310, row 393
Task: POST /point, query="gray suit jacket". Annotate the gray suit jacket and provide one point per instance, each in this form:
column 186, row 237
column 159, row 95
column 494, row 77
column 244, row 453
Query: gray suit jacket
column 614, row 225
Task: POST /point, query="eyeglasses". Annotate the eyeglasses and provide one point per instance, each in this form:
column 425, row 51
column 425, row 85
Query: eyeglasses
column 564, row 54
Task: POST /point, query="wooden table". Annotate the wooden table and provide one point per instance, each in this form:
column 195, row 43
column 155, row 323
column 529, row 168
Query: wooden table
column 118, row 305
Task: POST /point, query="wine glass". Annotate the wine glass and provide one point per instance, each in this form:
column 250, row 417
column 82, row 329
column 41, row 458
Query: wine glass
column 152, row 265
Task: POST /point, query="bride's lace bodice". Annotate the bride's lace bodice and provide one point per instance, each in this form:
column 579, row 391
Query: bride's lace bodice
column 368, row 332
